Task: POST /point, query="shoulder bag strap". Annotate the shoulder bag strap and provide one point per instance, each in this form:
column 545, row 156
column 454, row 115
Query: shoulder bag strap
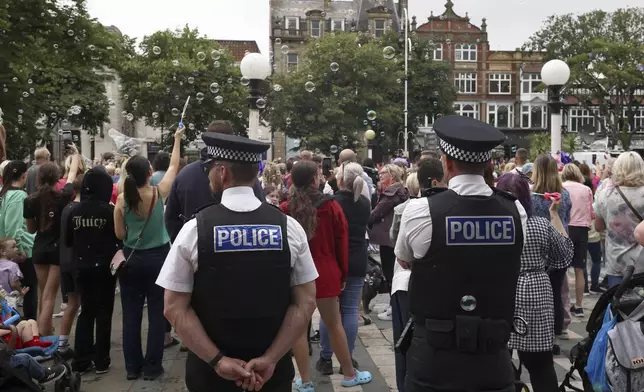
column 628, row 203
column 154, row 202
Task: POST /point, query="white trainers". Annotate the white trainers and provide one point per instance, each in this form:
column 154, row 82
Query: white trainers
column 386, row 315
column 379, row 308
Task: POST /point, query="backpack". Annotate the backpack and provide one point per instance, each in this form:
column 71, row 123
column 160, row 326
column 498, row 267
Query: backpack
column 625, row 353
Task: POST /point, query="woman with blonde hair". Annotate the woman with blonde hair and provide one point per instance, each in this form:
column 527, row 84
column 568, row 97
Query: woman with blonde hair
column 82, row 168
column 581, row 217
column 356, row 208
column 619, row 209
column 393, row 194
column 546, row 179
column 509, row 167
column 272, row 176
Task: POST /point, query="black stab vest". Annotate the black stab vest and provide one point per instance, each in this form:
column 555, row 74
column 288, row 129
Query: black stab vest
column 242, row 286
column 471, row 254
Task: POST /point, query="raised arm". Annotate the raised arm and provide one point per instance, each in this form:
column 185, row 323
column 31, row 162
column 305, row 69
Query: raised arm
column 165, row 185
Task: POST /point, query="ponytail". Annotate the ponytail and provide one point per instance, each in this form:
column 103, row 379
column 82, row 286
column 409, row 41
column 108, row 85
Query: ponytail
column 131, row 193
column 304, row 197
column 358, row 185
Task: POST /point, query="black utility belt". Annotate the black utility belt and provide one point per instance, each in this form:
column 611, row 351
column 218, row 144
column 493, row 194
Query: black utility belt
column 467, row 334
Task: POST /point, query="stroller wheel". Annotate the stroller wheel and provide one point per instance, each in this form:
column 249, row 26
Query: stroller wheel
column 75, row 382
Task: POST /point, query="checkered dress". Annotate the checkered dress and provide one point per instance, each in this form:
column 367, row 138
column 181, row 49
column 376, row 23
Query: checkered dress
column 544, row 247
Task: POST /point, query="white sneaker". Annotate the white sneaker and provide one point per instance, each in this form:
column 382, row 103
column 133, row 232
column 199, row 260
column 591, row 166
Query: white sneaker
column 564, row 335
column 386, row 315
column 379, row 308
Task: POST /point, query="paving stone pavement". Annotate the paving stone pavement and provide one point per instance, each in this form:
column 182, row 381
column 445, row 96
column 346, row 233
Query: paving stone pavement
column 373, row 352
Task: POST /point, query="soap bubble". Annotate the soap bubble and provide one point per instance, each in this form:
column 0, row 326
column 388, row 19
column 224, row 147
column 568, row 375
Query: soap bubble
column 76, row 110
column 278, row 41
column 175, row 112
column 389, row 52
column 135, row 105
column 365, row 122
column 70, row 33
column 219, row 99
column 333, row 149
column 240, row 114
column 111, row 102
column 284, row 49
column 344, row 137
column 288, row 121
column 175, row 63
column 191, row 80
column 148, row 84
column 191, row 126
column 448, row 41
column 382, row 134
column 155, row 115
column 200, row 96
column 216, row 64
column 335, row 67
column 32, row 90
column 91, row 47
column 309, row 86
column 51, row 214
column 15, row 79
column 53, row 115
column 371, row 115
column 215, row 54
column 277, row 87
column 261, row 103
column 25, row 94
column 230, row 80
column 126, row 96
column 129, row 117
column 156, row 50
column 29, row 81
column 468, row 303
column 201, row 56
column 310, row 77
column 245, row 81
column 214, row 88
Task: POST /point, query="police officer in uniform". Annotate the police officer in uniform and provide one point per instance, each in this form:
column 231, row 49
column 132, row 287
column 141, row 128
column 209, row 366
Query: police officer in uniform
column 463, row 246
column 239, row 280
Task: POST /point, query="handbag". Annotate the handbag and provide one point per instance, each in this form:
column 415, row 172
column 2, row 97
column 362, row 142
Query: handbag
column 119, row 261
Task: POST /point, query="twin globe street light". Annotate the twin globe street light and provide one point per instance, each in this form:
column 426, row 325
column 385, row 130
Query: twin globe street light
column 555, row 74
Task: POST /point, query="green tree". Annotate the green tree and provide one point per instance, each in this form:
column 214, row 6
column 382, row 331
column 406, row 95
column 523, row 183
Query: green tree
column 603, row 51
column 349, row 83
column 171, row 66
column 51, row 53
column 540, row 144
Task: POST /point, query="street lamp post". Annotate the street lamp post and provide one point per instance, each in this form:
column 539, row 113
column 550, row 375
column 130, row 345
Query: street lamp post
column 407, row 46
column 256, row 68
column 555, row 74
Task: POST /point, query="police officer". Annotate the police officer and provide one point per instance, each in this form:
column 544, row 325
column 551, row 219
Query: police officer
column 464, row 247
column 239, row 280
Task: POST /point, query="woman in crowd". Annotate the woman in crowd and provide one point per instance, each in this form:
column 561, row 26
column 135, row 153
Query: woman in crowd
column 43, row 210
column 356, row 209
column 546, row 179
column 13, row 225
column 545, row 246
column 326, row 228
column 620, row 208
column 271, row 176
column 581, row 217
column 139, row 222
column 587, row 175
column 393, row 194
column 606, row 174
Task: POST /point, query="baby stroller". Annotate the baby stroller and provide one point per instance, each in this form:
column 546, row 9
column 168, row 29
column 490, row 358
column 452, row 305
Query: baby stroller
column 374, row 283
column 71, row 380
column 622, row 300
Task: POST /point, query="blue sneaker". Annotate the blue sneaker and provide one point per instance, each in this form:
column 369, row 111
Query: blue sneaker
column 304, row 387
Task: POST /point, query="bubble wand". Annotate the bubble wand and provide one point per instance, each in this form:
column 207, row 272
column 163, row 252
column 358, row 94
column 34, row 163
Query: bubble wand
column 185, row 107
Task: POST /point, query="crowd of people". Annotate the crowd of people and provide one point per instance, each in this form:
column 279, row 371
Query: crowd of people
column 62, row 228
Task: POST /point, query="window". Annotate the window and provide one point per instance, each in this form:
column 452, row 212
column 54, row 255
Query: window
column 465, row 52
column 291, row 61
column 438, row 52
column 500, row 83
column 315, row 29
column 379, row 27
column 337, row 25
column 579, row 118
column 534, row 116
column 292, row 23
column 501, row 116
column 467, row 109
column 639, row 118
column 465, row 83
column 530, row 82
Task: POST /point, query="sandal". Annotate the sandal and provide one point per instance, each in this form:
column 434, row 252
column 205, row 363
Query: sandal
column 360, row 378
column 365, row 320
column 306, row 387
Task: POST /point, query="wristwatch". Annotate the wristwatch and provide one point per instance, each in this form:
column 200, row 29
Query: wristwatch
column 216, row 359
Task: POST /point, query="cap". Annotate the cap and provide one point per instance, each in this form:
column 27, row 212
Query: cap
column 527, row 168
column 467, row 139
column 233, row 148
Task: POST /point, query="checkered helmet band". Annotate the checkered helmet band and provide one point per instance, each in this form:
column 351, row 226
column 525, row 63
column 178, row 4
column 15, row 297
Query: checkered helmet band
column 218, row 153
column 463, row 155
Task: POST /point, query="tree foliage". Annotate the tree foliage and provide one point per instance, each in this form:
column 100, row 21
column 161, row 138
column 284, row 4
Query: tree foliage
column 345, row 98
column 51, row 53
column 172, row 65
column 540, row 144
column 603, row 51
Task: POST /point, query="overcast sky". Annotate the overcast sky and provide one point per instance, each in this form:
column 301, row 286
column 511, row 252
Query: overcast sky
column 510, row 22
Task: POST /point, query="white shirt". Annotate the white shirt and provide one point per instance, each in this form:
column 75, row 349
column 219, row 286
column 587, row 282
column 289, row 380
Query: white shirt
column 415, row 233
column 181, row 263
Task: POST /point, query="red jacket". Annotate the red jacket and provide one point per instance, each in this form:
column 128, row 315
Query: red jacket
column 329, row 248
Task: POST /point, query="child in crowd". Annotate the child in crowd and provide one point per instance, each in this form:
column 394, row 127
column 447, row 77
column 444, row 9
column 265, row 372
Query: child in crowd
column 27, row 330
column 10, row 274
column 272, row 195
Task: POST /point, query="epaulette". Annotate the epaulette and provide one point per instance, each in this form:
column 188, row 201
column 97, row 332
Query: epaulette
column 505, row 194
column 429, row 192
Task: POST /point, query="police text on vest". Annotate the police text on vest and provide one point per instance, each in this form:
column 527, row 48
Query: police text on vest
column 479, row 230
column 247, row 238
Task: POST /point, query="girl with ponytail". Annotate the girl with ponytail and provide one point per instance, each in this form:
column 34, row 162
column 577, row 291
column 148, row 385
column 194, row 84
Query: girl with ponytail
column 43, row 210
column 326, row 228
column 13, row 225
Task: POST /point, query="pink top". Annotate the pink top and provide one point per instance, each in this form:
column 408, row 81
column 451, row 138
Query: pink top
column 581, row 213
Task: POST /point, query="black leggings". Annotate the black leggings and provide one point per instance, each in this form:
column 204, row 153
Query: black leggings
column 556, row 280
column 542, row 370
column 387, row 259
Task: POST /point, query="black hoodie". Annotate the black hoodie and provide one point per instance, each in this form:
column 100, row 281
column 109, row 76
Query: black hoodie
column 90, row 227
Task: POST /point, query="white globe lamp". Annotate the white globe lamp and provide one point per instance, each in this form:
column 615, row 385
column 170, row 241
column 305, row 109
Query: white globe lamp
column 255, row 66
column 555, row 74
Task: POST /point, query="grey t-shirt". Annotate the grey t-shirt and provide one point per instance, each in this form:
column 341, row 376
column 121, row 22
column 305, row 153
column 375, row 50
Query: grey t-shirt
column 32, row 177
